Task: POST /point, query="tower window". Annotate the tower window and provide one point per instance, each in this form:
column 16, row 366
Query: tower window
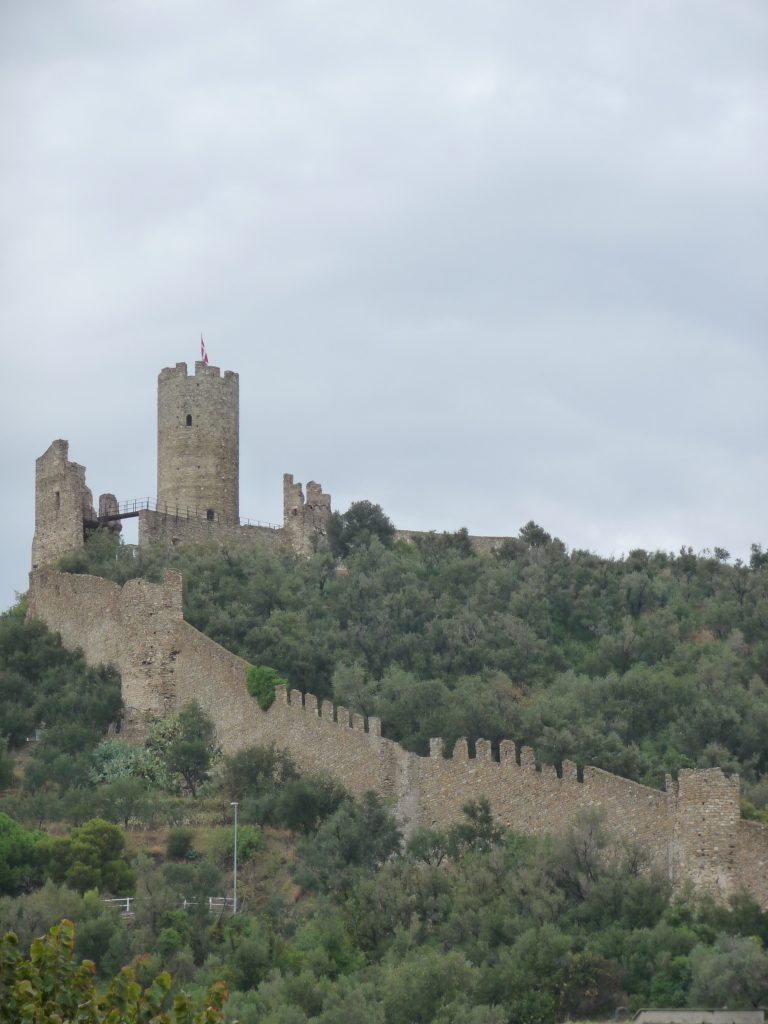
column 57, row 495
column 189, row 419
column 209, row 514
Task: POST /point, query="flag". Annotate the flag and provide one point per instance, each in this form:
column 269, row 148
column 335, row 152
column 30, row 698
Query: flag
column 203, row 353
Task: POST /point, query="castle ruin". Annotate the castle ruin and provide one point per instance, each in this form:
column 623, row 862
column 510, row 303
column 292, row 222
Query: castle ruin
column 692, row 828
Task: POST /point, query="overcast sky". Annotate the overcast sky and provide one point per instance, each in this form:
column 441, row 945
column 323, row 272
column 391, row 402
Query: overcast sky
column 477, row 262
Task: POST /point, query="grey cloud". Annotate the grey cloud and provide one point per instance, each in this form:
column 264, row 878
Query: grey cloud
column 479, row 263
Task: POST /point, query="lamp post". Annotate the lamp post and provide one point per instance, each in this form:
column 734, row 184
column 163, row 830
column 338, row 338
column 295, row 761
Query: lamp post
column 234, row 861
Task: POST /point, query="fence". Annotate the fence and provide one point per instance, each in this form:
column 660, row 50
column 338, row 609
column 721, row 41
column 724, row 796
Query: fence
column 136, row 505
column 125, row 904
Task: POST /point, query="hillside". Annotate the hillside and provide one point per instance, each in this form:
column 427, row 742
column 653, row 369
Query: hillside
column 640, row 665
column 337, row 921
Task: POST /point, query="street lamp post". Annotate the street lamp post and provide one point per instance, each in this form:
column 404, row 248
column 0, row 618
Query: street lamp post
column 234, row 861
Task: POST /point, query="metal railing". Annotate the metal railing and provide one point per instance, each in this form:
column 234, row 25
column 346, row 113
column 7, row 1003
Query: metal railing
column 125, row 903
column 136, row 505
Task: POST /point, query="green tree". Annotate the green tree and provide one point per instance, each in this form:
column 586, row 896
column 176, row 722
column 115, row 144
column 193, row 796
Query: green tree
column 50, row 986
column 186, row 743
column 124, row 799
column 357, row 527
column 733, row 973
column 256, row 769
column 19, row 857
column 92, row 856
column 358, row 835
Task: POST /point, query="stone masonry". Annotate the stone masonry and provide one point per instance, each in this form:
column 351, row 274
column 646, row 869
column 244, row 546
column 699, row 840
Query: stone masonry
column 692, row 828
column 198, row 442
column 63, row 504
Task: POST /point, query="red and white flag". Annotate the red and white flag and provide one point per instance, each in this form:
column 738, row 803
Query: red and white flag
column 203, row 353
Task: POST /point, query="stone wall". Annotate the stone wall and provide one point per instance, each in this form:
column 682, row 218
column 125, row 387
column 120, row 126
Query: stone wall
column 692, row 829
column 699, row 1017
column 482, row 545
column 198, row 442
column 538, row 800
column 62, row 504
column 170, row 530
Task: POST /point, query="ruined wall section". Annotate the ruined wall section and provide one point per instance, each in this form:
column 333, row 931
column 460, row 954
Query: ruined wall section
column 482, row 545
column 305, row 521
column 156, row 528
column 692, row 829
column 198, row 441
column 63, row 503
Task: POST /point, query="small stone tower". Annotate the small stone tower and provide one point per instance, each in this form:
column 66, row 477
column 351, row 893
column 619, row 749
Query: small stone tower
column 198, row 443
column 63, row 505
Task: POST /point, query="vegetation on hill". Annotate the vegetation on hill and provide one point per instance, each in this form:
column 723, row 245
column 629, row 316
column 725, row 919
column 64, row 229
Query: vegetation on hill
column 639, row 665
column 49, row 692
column 340, row 923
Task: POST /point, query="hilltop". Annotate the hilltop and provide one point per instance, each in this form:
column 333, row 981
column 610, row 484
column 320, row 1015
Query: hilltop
column 640, row 665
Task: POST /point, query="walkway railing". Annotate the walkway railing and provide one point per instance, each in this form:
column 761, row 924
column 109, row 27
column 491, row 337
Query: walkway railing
column 136, row 505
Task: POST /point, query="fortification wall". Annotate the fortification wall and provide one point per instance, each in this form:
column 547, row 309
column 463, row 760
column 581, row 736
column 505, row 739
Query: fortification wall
column 169, row 530
column 752, row 859
column 692, row 829
column 482, row 545
column 538, row 800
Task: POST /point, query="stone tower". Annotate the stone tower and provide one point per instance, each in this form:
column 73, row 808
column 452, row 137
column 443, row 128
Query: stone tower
column 63, row 505
column 198, row 442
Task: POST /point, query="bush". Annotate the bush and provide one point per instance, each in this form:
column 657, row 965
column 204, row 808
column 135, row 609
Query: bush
column 90, row 857
column 178, row 846
column 300, row 805
column 220, row 843
column 50, row 985
column 262, row 681
column 255, row 769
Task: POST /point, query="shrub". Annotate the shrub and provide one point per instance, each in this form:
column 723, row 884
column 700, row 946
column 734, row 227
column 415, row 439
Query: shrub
column 178, row 846
column 255, row 769
column 262, row 681
column 220, row 844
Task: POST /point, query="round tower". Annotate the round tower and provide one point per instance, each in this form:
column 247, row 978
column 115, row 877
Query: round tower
column 198, row 442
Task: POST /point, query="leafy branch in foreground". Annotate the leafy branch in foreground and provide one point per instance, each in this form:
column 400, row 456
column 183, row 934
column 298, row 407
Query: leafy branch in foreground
column 50, row 986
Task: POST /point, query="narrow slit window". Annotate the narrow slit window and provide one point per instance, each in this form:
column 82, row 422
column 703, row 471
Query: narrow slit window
column 189, row 419
column 57, row 495
column 209, row 514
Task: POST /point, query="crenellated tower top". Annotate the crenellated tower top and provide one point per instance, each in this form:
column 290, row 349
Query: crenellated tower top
column 198, row 442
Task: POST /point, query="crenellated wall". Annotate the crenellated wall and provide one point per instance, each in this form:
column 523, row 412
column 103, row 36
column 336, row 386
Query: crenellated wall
column 692, row 828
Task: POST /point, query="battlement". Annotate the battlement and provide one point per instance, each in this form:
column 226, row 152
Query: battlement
column 201, row 370
column 327, row 711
